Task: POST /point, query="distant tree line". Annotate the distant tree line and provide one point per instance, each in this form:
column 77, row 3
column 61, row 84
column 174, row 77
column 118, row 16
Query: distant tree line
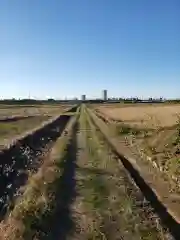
column 110, row 100
column 31, row 101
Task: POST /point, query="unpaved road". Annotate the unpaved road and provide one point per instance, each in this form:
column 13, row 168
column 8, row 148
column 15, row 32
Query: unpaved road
column 95, row 196
column 108, row 203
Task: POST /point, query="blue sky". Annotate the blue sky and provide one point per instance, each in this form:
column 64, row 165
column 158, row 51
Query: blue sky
column 68, row 48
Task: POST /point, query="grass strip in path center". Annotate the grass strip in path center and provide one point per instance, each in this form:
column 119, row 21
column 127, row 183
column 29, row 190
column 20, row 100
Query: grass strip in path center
column 90, row 188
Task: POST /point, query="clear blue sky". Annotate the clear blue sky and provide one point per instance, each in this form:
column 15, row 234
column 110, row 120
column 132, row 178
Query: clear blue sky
column 58, row 48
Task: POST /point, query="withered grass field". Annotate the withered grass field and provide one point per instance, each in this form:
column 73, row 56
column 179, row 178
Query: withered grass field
column 12, row 128
column 20, row 110
column 152, row 133
column 150, row 116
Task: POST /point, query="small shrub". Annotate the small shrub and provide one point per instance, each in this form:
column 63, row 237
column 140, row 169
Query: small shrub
column 124, row 129
column 176, row 142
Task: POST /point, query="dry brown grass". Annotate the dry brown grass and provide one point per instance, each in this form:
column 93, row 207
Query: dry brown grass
column 8, row 111
column 123, row 216
column 160, row 146
column 9, row 130
column 144, row 115
column 37, row 201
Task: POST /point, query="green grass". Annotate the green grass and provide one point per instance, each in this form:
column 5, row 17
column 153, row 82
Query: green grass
column 125, row 129
column 176, row 141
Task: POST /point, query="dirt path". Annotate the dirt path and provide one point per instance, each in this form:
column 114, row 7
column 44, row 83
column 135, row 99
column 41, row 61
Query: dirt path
column 108, row 203
column 91, row 195
column 83, row 212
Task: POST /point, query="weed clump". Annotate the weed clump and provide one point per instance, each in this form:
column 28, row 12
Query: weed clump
column 177, row 139
column 124, row 129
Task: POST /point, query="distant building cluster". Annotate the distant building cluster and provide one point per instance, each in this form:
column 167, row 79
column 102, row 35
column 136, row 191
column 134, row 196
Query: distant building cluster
column 104, row 96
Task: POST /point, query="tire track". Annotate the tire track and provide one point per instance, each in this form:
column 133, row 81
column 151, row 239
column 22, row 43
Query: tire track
column 84, row 218
column 59, row 223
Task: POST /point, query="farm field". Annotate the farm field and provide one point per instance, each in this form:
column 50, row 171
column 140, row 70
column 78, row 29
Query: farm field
column 21, row 161
column 143, row 115
column 152, row 133
column 9, row 111
column 68, row 182
column 17, row 120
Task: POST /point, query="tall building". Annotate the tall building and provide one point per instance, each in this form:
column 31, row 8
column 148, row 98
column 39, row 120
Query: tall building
column 83, row 97
column 105, row 95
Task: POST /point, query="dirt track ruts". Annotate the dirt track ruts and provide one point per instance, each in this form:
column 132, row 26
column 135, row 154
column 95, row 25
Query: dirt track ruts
column 26, row 155
column 59, row 224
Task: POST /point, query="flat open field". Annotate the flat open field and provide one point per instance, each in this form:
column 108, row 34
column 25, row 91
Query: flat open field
column 10, row 130
column 17, row 120
column 152, row 133
column 69, row 180
column 22, row 110
column 143, row 115
column 80, row 190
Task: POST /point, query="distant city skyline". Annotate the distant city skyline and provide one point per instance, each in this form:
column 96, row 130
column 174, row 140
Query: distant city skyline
column 103, row 95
